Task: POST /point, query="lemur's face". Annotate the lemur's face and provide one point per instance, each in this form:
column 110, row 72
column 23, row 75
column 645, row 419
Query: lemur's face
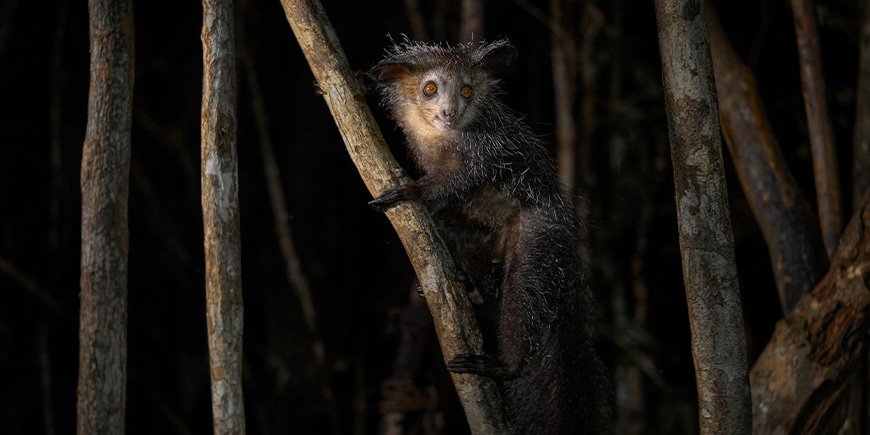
column 445, row 99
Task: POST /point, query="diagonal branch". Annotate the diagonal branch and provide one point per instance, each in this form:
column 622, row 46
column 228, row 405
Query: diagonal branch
column 451, row 312
column 783, row 214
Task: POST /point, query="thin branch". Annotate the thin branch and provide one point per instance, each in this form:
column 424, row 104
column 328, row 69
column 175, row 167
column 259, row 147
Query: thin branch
column 591, row 26
column 564, row 63
column 415, row 19
column 818, row 125
column 785, row 217
column 451, row 312
column 704, row 224
column 33, row 288
column 471, row 26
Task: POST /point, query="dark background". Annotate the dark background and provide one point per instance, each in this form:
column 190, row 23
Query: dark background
column 358, row 271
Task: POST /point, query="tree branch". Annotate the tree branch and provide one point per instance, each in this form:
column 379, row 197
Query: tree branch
column 706, row 242
column 801, row 374
column 818, row 125
column 785, row 217
column 451, row 312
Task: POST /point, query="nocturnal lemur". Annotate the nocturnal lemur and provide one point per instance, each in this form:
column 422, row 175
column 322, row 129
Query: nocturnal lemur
column 509, row 222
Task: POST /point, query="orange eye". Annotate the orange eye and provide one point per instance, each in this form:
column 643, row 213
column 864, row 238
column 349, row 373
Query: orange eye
column 466, row 92
column 430, row 89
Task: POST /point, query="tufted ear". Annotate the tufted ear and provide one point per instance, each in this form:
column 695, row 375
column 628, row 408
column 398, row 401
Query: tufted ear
column 496, row 57
column 389, row 72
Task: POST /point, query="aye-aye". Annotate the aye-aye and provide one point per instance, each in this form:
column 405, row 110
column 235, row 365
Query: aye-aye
column 509, row 222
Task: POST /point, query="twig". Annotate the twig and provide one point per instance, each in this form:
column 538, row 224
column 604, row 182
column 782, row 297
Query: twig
column 818, row 125
column 451, row 312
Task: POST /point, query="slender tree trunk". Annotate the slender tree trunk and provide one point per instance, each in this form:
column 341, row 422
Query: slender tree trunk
column 785, row 217
column 220, row 211
column 105, row 177
column 451, row 311
column 563, row 54
column 471, row 27
column 861, row 139
column 818, row 125
column 706, row 242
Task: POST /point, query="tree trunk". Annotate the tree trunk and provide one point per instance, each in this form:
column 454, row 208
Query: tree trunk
column 706, row 242
column 220, row 212
column 454, row 320
column 799, row 378
column 105, row 239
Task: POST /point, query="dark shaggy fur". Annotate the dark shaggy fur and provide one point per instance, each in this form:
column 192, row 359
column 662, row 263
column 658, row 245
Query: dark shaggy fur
column 494, row 191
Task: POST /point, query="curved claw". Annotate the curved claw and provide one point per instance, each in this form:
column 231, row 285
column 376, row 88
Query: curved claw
column 388, row 199
column 485, row 365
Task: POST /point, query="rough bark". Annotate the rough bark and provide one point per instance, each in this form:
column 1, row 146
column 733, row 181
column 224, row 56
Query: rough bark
column 105, row 177
column 785, row 217
column 453, row 317
column 818, row 125
column 706, row 242
column 861, row 138
column 799, row 378
column 220, row 213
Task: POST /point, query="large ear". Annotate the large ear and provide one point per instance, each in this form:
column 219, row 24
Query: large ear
column 389, row 72
column 497, row 57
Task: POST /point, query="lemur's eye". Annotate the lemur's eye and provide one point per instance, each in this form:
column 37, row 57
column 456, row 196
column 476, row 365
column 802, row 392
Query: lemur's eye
column 430, row 89
column 466, row 92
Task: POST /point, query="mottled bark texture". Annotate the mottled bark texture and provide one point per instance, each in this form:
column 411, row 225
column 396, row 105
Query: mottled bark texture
column 220, row 213
column 785, row 217
column 706, row 242
column 798, row 382
column 105, row 237
column 818, row 124
column 451, row 312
